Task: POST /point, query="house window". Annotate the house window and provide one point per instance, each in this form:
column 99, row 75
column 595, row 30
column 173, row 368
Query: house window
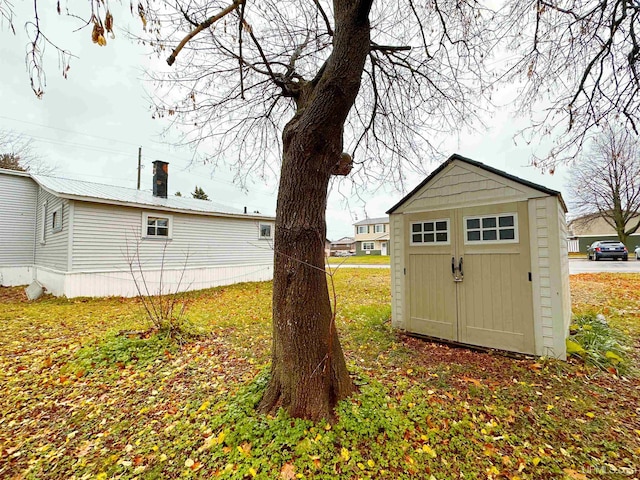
column 363, row 229
column 56, row 219
column 491, row 228
column 431, row 232
column 379, row 229
column 265, row 230
column 157, row 226
column 367, row 245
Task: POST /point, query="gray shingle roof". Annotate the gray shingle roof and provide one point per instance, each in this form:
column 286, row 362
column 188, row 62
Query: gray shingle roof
column 372, row 221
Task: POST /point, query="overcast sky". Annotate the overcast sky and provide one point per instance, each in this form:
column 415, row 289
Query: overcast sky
column 90, row 126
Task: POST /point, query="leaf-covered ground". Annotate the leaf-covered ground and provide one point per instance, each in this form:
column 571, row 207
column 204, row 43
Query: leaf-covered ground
column 79, row 401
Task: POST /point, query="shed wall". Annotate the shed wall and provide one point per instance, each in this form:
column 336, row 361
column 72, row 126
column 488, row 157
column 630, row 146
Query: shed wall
column 397, row 269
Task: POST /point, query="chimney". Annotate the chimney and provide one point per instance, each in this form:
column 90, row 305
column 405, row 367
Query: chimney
column 160, row 178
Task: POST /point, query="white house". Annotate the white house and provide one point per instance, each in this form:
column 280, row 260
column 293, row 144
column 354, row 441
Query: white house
column 80, row 238
column 479, row 257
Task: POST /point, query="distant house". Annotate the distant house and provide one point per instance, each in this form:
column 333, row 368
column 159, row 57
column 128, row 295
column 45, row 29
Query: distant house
column 372, row 236
column 344, row 245
column 80, row 238
column 590, row 228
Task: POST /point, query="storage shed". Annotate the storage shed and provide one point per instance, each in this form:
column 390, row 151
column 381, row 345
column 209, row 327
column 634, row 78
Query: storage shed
column 479, row 257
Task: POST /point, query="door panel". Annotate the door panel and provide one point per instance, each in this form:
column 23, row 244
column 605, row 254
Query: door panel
column 495, row 306
column 431, row 299
column 492, row 306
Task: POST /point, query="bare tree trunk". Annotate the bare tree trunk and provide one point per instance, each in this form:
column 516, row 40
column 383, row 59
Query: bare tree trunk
column 308, row 372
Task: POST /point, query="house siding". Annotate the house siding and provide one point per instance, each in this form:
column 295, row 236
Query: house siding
column 202, row 240
column 53, row 252
column 17, row 220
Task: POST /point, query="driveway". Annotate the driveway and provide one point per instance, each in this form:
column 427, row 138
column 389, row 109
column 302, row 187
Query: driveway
column 582, row 265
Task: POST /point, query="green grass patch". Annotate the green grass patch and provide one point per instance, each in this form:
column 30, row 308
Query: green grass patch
column 80, row 400
column 599, row 344
column 360, row 260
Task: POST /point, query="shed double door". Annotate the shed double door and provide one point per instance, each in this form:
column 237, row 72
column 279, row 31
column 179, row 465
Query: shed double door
column 468, row 276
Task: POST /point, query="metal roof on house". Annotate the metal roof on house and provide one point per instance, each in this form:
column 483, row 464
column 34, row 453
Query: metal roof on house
column 460, row 158
column 110, row 194
column 372, row 221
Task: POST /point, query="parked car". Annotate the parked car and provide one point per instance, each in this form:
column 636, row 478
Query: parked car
column 607, row 249
column 637, row 250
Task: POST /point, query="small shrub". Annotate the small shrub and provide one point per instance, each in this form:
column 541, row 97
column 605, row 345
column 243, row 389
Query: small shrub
column 597, row 343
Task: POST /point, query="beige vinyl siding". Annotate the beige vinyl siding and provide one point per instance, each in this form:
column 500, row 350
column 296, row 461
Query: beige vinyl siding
column 53, row 253
column 17, row 220
column 102, row 234
column 461, row 185
column 564, row 268
column 397, row 270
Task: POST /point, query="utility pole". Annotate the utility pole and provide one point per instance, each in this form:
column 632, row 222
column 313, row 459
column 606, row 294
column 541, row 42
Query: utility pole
column 139, row 165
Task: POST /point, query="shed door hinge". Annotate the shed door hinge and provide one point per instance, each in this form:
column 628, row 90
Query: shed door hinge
column 405, row 271
column 529, row 276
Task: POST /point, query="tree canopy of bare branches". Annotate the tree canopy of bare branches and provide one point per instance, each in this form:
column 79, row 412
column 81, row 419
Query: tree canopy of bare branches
column 316, row 89
column 605, row 183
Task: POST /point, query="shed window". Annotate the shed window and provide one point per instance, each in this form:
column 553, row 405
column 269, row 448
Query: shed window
column 379, row 229
column 367, row 246
column 491, row 228
column 157, row 226
column 265, row 230
column 363, row 229
column 56, row 220
column 431, row 232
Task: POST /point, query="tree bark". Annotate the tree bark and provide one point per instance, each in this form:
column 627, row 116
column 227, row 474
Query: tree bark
column 308, row 371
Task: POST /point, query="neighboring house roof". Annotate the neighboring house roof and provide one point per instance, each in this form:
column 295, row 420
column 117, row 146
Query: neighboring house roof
column 372, row 221
column 460, row 158
column 110, row 194
column 344, row 241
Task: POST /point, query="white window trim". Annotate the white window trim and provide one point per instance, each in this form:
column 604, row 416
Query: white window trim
column 497, row 216
column 364, row 227
column 430, row 244
column 145, row 219
column 57, row 212
column 373, row 246
column 43, row 225
column 375, row 228
column 265, row 224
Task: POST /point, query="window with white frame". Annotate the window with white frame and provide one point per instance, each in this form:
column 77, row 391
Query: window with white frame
column 379, row 228
column 56, row 220
column 157, row 226
column 430, row 232
column 266, row 231
column 363, row 229
column 491, row 228
column 368, row 245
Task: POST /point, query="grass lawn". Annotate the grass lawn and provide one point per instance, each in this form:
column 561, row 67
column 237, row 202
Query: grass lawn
column 360, row 260
column 79, row 401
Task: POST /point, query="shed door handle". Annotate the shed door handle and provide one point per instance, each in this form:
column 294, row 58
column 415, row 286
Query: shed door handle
column 453, row 266
column 460, row 268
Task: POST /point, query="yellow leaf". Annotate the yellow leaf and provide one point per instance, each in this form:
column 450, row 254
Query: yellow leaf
column 409, row 371
column 429, row 451
column 327, row 427
column 252, row 472
column 536, row 461
column 204, row 406
column 371, row 463
column 360, row 465
column 590, row 414
column 613, row 357
column 574, row 347
column 573, row 474
column 189, row 462
column 344, row 454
